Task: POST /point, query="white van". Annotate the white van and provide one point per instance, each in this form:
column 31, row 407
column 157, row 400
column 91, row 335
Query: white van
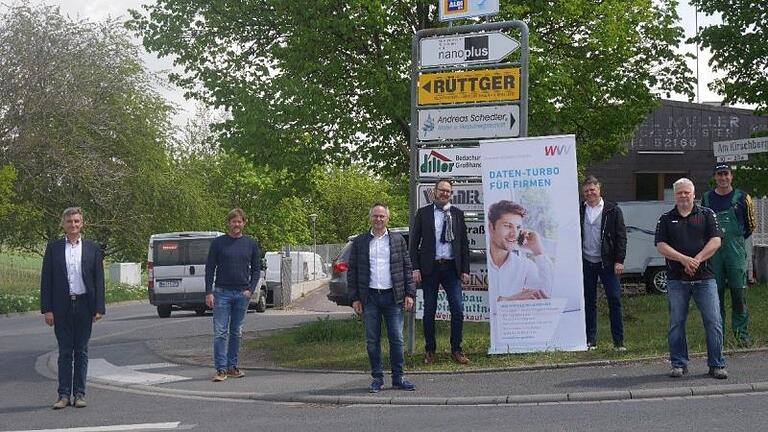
column 176, row 267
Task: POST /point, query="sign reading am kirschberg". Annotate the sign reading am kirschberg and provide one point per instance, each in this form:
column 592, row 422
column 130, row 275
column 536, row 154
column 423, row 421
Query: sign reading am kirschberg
column 458, row 9
column 736, row 150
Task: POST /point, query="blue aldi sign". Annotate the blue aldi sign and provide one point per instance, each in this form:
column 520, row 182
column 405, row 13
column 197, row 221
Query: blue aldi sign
column 459, row 9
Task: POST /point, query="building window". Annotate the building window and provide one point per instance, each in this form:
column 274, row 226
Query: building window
column 655, row 186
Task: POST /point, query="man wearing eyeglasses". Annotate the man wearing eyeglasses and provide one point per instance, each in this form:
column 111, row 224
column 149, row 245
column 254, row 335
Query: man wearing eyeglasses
column 736, row 215
column 440, row 256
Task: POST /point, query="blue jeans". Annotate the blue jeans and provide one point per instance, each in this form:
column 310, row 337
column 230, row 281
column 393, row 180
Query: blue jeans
column 443, row 274
column 380, row 304
column 612, row 293
column 73, row 330
column 228, row 313
column 704, row 293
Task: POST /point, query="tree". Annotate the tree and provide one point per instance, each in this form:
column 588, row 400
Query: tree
column 311, row 83
column 82, row 125
column 7, row 178
column 739, row 47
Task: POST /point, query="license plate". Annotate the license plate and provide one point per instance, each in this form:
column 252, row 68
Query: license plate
column 168, row 283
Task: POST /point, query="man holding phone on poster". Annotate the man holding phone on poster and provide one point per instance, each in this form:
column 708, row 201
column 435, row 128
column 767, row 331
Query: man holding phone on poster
column 517, row 277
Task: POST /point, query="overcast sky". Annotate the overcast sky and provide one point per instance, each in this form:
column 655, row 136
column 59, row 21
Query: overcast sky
column 101, row 9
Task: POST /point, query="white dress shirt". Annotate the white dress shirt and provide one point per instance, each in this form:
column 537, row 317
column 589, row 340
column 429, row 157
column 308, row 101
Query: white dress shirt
column 378, row 250
column 74, row 256
column 594, row 212
column 442, row 250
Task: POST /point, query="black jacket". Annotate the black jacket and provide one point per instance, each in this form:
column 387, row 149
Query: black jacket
column 54, row 284
column 613, row 233
column 359, row 272
column 422, row 241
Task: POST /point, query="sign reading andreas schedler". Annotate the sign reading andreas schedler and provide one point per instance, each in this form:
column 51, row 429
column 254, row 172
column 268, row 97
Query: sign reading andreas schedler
column 500, row 121
column 533, row 246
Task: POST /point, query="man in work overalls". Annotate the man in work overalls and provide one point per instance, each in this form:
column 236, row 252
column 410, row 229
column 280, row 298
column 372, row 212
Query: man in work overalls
column 736, row 215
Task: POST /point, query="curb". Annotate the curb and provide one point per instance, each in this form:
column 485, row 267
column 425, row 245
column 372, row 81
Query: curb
column 532, row 399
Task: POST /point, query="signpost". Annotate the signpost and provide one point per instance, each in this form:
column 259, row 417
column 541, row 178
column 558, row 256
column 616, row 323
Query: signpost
column 497, row 121
column 486, row 85
column 466, row 49
column 481, row 71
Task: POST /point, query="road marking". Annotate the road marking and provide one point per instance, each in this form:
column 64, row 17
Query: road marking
column 102, row 369
column 133, row 427
column 151, row 366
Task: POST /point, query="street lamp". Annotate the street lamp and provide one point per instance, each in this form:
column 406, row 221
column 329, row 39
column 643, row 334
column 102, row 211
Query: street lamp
column 313, row 219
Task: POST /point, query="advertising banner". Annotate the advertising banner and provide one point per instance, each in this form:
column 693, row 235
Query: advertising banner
column 499, row 121
column 533, row 238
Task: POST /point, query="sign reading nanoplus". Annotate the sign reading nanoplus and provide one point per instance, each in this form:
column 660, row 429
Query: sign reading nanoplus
column 449, row 162
column 499, row 121
column 486, row 85
column 457, row 9
column 467, row 196
column 466, row 49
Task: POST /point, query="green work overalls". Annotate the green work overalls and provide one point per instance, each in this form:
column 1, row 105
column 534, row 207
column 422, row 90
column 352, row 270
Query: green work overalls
column 730, row 266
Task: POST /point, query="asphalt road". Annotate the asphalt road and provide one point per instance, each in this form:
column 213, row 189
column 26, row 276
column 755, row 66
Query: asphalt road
column 26, row 394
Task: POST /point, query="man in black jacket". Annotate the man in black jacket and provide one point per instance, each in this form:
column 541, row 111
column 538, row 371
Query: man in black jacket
column 72, row 299
column 603, row 247
column 440, row 256
column 380, row 285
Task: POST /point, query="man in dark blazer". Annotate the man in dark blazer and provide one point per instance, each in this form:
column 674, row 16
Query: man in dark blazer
column 379, row 278
column 72, row 299
column 440, row 255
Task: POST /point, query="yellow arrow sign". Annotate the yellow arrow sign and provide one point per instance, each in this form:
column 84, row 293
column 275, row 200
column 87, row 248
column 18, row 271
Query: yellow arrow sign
column 486, row 85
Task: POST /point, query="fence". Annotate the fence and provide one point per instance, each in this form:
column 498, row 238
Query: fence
column 309, row 268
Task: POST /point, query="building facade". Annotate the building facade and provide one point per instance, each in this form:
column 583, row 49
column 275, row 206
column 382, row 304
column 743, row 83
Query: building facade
column 674, row 141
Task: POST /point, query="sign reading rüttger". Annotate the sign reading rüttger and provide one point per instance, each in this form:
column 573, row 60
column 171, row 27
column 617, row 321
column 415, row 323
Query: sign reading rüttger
column 499, row 121
column 486, row 85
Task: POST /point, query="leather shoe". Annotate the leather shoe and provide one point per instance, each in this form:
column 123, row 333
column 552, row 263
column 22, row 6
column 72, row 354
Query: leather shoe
column 429, row 358
column 62, row 403
column 460, row 358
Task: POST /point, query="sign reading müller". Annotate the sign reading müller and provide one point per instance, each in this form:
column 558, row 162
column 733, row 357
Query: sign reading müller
column 500, row 121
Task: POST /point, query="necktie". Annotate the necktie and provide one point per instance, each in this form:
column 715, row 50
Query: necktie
column 447, row 235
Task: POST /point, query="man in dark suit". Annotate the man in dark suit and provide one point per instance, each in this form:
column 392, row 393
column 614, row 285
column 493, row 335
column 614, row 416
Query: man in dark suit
column 379, row 278
column 72, row 299
column 440, row 256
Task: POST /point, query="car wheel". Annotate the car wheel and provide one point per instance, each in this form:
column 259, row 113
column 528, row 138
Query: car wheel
column 656, row 280
column 261, row 303
column 164, row 311
column 201, row 311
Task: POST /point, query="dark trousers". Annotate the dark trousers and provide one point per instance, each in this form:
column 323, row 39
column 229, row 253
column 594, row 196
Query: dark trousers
column 73, row 330
column 612, row 293
column 443, row 274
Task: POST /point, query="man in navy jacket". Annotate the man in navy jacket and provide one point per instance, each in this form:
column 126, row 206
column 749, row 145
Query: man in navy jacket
column 380, row 283
column 72, row 299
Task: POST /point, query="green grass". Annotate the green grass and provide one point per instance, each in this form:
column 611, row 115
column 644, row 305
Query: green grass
column 340, row 344
column 20, row 284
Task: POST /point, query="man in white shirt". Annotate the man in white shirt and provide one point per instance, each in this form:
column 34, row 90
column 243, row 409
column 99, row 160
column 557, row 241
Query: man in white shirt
column 512, row 275
column 381, row 287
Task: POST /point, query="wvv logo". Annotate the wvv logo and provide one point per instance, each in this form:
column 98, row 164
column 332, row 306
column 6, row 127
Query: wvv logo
column 556, row 150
